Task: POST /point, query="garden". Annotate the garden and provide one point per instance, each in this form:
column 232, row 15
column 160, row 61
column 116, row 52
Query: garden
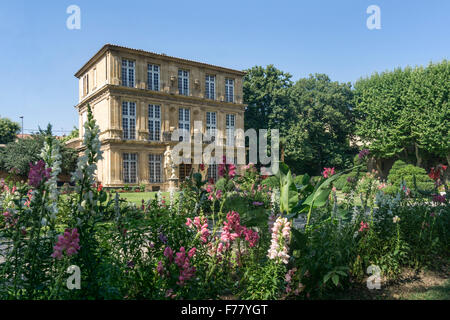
column 245, row 237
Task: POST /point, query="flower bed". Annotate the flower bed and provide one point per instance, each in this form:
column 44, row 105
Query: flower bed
column 238, row 237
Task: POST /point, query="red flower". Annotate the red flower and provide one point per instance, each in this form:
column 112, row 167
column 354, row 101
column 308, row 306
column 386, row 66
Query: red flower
column 100, row 187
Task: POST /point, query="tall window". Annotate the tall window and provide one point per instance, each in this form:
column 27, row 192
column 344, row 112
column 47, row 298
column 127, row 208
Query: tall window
column 211, row 124
column 86, row 84
column 210, row 87
column 230, row 123
column 128, row 73
column 129, row 120
column 184, row 122
column 154, row 161
column 94, row 84
column 153, row 77
column 183, row 82
column 129, row 167
column 184, row 170
column 229, row 90
column 212, row 170
column 154, row 122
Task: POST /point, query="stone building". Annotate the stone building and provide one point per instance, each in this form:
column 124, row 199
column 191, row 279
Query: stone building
column 139, row 98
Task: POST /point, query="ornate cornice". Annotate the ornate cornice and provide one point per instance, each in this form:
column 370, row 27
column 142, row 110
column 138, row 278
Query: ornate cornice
column 115, row 90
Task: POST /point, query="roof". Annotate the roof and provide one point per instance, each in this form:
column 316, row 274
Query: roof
column 108, row 47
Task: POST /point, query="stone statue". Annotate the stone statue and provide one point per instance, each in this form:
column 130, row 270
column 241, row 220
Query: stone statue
column 169, row 165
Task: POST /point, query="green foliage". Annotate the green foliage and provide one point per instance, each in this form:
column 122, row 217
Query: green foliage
column 405, row 111
column 20, row 153
column 320, row 126
column 73, row 134
column 401, row 171
column 266, row 94
column 8, row 130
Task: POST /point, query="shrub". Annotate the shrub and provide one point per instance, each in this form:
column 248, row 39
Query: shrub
column 401, row 171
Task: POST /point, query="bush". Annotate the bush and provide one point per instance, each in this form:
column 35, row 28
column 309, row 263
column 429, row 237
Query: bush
column 401, row 171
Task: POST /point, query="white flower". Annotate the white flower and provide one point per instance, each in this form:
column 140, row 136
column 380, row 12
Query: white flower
column 281, row 234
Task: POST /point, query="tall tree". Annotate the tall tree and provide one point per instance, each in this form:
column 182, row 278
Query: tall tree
column 8, row 130
column 405, row 113
column 266, row 96
column 430, row 110
column 322, row 124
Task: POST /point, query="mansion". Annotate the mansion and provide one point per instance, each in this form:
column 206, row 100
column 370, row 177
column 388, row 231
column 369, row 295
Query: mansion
column 139, row 98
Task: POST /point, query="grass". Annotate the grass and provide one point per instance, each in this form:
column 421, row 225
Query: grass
column 441, row 292
column 137, row 197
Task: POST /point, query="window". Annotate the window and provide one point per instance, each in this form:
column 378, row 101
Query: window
column 184, row 170
column 230, row 121
column 154, row 122
column 154, row 161
column 153, row 77
column 86, row 84
column 183, row 82
column 95, row 78
column 128, row 73
column 129, row 120
column 229, row 90
column 212, row 170
column 211, row 125
column 129, row 167
column 184, row 122
column 210, row 87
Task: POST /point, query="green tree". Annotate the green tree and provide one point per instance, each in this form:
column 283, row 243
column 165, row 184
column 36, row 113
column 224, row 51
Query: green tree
column 430, row 110
column 8, row 130
column 321, row 125
column 266, row 96
column 405, row 113
column 380, row 110
column 20, row 153
column 73, row 134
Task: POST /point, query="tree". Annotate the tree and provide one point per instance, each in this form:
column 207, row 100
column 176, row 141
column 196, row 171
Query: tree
column 429, row 102
column 20, row 153
column 380, row 110
column 321, row 125
column 404, row 113
column 73, row 134
column 266, row 96
column 8, row 130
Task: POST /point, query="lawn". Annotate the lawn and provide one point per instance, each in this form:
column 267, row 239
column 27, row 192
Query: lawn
column 136, row 197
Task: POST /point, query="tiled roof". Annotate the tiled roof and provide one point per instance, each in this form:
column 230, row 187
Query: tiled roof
column 159, row 55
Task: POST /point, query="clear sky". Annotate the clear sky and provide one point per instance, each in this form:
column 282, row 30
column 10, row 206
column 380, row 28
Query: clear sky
column 39, row 54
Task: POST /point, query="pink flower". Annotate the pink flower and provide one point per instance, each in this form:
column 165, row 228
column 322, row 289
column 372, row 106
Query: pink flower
column 226, row 170
column 202, row 227
column 160, row 268
column 328, row 172
column 168, row 253
column 363, row 226
column 38, row 173
column 191, row 252
column 68, row 242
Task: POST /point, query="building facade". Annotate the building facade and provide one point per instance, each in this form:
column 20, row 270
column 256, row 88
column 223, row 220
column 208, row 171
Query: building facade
column 139, row 98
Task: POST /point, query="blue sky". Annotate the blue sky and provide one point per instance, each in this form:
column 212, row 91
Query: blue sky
column 39, row 55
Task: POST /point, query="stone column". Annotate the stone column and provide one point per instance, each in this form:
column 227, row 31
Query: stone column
column 142, row 120
column 143, row 168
